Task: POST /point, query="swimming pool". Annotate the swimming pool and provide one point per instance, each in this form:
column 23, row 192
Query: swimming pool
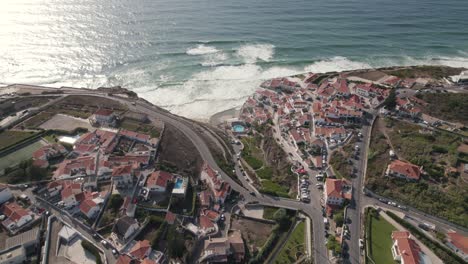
column 178, row 183
column 238, row 128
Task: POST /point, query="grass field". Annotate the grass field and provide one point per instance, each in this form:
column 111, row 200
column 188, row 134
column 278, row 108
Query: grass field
column 251, row 153
column 268, row 212
column 381, row 240
column 294, row 247
column 16, row 157
column 274, row 188
column 140, row 127
column 9, row 137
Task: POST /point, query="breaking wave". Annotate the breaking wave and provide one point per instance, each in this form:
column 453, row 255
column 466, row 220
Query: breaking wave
column 254, row 52
column 201, row 50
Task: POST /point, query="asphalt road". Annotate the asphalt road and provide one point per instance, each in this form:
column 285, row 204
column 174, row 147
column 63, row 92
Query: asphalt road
column 354, row 209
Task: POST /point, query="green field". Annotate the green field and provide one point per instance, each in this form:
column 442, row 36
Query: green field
column 9, row 137
column 251, row 153
column 16, row 157
column 294, row 247
column 274, row 188
column 381, row 240
column 268, row 212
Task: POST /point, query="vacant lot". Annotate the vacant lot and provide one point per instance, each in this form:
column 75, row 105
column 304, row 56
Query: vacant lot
column 10, row 137
column 339, row 159
column 16, row 157
column 378, row 156
column 381, row 240
column 136, row 126
column 66, row 123
column 255, row 233
column 446, row 106
column 436, row 152
column 37, row 120
column 294, row 247
column 84, row 106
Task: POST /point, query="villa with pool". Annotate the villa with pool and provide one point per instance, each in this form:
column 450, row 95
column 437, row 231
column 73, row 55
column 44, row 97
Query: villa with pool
column 180, row 186
column 239, row 127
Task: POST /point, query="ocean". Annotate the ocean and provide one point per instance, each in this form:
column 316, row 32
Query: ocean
column 197, row 58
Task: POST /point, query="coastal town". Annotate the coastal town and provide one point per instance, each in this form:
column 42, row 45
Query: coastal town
column 364, row 166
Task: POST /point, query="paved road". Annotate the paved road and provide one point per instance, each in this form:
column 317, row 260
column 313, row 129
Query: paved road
column 354, row 210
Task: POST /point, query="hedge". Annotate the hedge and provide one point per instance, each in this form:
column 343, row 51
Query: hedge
column 92, row 249
column 443, row 253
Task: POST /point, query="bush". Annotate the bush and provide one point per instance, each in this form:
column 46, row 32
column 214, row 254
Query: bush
column 338, row 218
column 115, row 202
column 92, row 249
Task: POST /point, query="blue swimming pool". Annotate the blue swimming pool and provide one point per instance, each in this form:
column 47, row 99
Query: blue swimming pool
column 238, row 128
column 178, row 183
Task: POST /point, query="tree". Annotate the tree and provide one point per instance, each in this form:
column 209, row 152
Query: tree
column 338, row 218
column 390, row 101
column 115, row 202
column 175, row 243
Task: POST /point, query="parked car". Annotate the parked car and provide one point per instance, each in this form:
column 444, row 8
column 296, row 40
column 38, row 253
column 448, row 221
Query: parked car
column 104, row 243
column 402, row 207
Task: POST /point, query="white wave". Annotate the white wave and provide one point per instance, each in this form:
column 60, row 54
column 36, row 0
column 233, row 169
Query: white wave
column 214, row 59
column 337, row 63
column 201, row 50
column 251, row 53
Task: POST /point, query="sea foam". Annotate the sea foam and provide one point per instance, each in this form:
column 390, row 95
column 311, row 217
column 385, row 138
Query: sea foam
column 201, row 50
column 253, row 52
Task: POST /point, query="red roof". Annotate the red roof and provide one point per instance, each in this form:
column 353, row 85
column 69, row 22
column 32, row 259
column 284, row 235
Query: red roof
column 335, row 188
column 159, row 178
column 14, row 211
column 170, row 217
column 212, row 215
column 124, row 259
column 406, row 247
column 140, row 249
column 461, row 242
column 122, row 170
column 87, row 205
column 405, row 168
column 205, row 222
column 104, row 112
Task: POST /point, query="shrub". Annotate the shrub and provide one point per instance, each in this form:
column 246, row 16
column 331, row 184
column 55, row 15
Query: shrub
column 92, row 249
